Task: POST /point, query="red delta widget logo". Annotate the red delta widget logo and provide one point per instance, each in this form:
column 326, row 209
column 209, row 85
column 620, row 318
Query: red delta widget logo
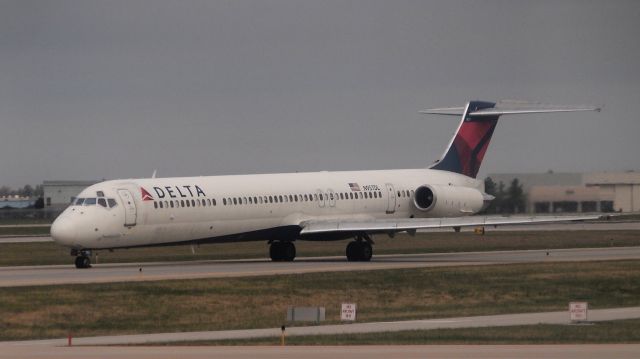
column 173, row 192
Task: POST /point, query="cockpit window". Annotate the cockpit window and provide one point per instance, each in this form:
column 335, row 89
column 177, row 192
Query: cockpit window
column 102, row 202
column 79, row 201
column 90, row 202
column 112, row 202
column 100, row 194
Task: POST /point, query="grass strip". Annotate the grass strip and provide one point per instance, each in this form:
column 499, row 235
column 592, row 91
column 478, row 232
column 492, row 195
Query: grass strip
column 14, row 254
column 261, row 302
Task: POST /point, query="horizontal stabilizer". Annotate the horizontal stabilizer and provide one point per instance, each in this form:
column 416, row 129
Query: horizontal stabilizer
column 509, row 108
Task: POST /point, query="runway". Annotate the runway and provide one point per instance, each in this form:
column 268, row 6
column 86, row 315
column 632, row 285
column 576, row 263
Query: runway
column 25, row 239
column 107, row 273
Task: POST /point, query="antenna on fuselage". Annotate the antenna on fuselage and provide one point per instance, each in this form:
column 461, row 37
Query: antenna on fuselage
column 154, row 173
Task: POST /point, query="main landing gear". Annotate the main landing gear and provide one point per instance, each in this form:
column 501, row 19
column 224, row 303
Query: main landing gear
column 360, row 250
column 83, row 258
column 282, row 251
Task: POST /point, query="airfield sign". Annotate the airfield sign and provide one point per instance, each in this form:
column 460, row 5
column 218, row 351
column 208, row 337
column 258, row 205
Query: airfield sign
column 578, row 311
column 348, row 312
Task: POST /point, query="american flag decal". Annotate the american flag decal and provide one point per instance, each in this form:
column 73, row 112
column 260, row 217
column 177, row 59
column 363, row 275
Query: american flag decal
column 354, row 186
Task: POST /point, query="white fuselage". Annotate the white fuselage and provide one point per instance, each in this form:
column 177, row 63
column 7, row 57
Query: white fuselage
column 157, row 211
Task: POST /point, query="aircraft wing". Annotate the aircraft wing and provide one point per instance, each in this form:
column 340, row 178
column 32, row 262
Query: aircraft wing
column 411, row 224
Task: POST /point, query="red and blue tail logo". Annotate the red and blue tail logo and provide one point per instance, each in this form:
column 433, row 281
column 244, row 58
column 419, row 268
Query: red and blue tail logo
column 469, row 144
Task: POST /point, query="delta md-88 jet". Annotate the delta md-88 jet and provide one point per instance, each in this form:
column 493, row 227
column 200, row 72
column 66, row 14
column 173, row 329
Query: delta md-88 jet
column 285, row 207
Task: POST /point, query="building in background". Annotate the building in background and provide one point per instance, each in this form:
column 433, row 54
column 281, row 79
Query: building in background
column 577, row 192
column 61, row 193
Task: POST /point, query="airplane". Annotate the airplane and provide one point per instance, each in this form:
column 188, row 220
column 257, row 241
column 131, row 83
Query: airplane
column 282, row 208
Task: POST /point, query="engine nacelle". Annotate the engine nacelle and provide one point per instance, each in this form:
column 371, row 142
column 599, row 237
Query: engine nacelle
column 448, row 200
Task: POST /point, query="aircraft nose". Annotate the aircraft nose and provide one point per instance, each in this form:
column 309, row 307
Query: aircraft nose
column 63, row 231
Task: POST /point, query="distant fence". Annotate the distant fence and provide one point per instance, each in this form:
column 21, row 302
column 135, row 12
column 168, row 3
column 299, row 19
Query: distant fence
column 17, row 214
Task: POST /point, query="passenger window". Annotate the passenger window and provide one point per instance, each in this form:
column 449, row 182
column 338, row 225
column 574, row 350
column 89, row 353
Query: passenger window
column 90, row 202
column 155, row 204
column 235, row 201
column 290, row 198
column 193, row 203
column 102, row 202
column 160, row 204
column 112, row 202
column 214, row 201
column 188, row 204
column 224, row 201
column 171, row 203
column 204, row 203
column 181, row 203
column 244, row 200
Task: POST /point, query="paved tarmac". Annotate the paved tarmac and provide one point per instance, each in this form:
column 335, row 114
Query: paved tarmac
column 25, row 239
column 579, row 351
column 106, row 273
column 353, row 328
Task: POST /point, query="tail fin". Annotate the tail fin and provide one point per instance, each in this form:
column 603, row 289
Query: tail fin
column 468, row 146
column 479, row 119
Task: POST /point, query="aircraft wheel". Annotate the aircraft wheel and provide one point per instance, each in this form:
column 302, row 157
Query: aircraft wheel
column 352, row 251
column 358, row 251
column 288, row 251
column 83, row 262
column 366, row 252
column 275, row 251
column 281, row 251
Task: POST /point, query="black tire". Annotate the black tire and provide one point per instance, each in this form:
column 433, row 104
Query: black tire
column 366, row 252
column 288, row 251
column 275, row 251
column 352, row 251
column 83, row 262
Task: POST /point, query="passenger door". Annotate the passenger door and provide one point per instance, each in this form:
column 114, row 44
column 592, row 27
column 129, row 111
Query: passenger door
column 129, row 204
column 391, row 198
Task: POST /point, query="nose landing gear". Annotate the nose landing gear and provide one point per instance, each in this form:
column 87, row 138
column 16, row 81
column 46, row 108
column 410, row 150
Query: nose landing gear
column 83, row 258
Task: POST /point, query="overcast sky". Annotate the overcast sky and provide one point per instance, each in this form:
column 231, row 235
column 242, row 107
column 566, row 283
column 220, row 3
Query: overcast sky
column 116, row 89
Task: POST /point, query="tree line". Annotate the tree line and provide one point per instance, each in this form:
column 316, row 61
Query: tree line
column 507, row 200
